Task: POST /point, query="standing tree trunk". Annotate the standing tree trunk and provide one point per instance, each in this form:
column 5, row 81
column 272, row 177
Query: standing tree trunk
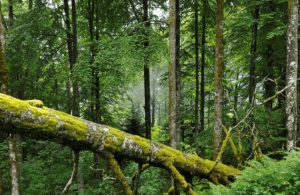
column 196, row 68
column 146, row 69
column 3, row 78
column 202, row 105
column 1, row 183
column 252, row 81
column 70, row 52
column 269, row 83
column 73, row 101
column 269, row 72
column 13, row 140
column 291, row 74
column 75, row 106
column 95, row 103
column 174, row 73
column 174, row 77
column 219, row 65
column 178, row 73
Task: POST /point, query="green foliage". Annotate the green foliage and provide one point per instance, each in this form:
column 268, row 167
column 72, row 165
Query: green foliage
column 154, row 181
column 46, row 169
column 266, row 176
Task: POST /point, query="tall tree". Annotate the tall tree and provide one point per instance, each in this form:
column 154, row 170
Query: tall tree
column 252, row 81
column 146, row 69
column 76, row 108
column 269, row 71
column 73, row 101
column 70, row 52
column 174, row 77
column 3, row 77
column 196, row 4
column 252, row 77
column 219, row 65
column 203, row 49
column 291, row 74
column 93, row 21
column 174, row 69
column 13, row 139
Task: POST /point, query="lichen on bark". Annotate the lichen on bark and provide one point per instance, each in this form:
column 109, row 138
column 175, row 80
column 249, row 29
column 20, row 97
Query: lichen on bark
column 17, row 116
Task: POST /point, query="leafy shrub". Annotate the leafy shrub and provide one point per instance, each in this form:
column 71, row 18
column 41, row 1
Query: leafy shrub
column 266, row 176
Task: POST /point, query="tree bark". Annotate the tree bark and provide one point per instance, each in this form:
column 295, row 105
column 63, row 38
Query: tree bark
column 74, row 172
column 252, row 77
column 174, row 73
column 197, row 92
column 291, row 74
column 33, row 119
column 203, row 48
column 70, row 52
column 146, row 69
column 219, row 65
column 13, row 140
column 269, row 83
column 76, row 108
column 3, row 80
column 1, row 183
column 178, row 72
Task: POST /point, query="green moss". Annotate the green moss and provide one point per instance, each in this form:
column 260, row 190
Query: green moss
column 36, row 103
column 40, row 121
column 118, row 172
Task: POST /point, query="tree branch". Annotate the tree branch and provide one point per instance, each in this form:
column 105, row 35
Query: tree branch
column 74, row 172
column 17, row 116
column 114, row 165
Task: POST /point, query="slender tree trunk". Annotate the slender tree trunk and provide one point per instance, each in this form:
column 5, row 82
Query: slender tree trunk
column 197, row 92
column 291, row 74
column 3, row 79
column 146, row 69
column 269, row 83
column 174, row 77
column 73, row 53
column 90, row 11
column 173, row 73
column 178, row 74
column 236, row 98
column 76, row 108
column 219, row 65
column 76, row 98
column 1, row 183
column 147, row 87
column 203, row 48
column 13, row 139
column 252, row 80
column 13, row 160
column 70, row 52
column 153, row 100
column 97, row 70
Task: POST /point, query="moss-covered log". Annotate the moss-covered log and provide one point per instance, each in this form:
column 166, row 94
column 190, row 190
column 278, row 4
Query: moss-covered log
column 32, row 119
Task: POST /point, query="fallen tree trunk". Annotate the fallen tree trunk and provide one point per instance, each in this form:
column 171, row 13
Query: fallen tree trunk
column 32, row 119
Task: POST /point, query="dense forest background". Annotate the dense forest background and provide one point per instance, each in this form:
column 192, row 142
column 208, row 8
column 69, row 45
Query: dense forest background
column 212, row 78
